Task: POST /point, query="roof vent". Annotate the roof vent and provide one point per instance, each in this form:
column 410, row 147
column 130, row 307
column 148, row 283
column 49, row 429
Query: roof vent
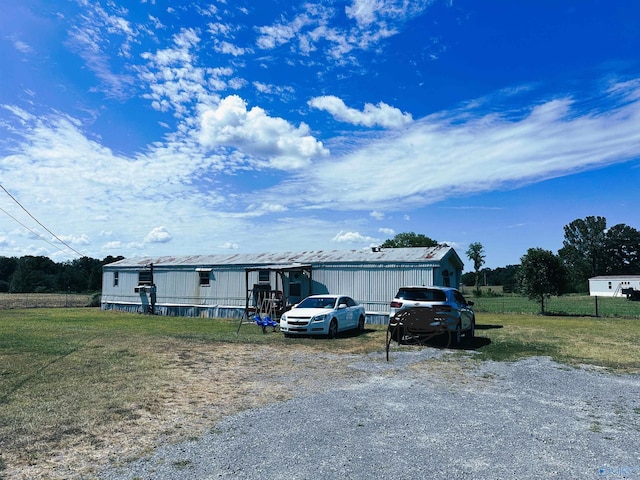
column 375, row 249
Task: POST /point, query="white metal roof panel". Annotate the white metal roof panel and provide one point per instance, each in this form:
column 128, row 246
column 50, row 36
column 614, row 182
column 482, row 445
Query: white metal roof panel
column 384, row 255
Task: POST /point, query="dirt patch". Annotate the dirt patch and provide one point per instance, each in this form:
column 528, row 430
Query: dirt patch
column 199, row 384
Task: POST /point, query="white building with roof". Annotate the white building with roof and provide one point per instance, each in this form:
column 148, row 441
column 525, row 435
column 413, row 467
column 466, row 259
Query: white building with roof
column 614, row 285
column 230, row 285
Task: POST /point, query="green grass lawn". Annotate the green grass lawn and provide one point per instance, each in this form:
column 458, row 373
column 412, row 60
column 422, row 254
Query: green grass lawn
column 70, row 373
column 613, row 343
column 568, row 305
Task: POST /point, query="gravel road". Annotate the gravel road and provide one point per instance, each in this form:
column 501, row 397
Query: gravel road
column 425, row 414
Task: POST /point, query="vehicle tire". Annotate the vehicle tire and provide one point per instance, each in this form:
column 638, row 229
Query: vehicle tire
column 333, row 329
column 457, row 340
column 361, row 325
column 471, row 333
column 396, row 333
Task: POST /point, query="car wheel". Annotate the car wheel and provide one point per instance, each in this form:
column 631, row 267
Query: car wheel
column 471, row 333
column 333, row 329
column 361, row 324
column 458, row 339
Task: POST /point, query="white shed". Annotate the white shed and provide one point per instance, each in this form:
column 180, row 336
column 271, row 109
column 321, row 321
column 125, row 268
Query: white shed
column 614, row 285
column 227, row 285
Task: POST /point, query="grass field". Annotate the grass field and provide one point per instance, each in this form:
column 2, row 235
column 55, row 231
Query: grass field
column 80, row 387
column 44, row 300
column 568, row 305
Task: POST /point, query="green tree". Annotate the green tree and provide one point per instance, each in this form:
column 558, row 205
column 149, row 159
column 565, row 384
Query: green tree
column 7, row 267
column 541, row 275
column 477, row 256
column 622, row 250
column 410, row 239
column 34, row 274
column 584, row 250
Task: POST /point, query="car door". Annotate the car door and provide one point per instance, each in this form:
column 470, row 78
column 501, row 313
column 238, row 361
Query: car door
column 344, row 314
column 352, row 312
column 466, row 314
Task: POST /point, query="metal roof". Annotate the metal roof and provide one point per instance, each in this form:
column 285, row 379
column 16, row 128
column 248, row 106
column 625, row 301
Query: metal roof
column 370, row 255
column 616, row 277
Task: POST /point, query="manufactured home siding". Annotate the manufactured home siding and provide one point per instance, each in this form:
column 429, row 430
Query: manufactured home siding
column 370, row 277
column 612, row 285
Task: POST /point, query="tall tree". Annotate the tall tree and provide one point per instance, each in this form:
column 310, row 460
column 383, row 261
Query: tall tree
column 584, row 250
column 410, row 239
column 34, row 274
column 477, row 256
column 622, row 249
column 541, row 275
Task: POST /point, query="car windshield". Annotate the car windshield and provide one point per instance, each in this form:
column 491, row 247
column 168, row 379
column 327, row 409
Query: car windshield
column 422, row 294
column 318, row 302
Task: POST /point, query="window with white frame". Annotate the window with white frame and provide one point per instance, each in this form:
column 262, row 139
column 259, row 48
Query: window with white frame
column 204, row 275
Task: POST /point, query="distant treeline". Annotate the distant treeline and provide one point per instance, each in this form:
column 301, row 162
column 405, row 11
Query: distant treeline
column 504, row 276
column 30, row 274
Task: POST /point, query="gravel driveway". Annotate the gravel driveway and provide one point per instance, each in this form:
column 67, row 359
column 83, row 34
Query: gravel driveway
column 425, row 414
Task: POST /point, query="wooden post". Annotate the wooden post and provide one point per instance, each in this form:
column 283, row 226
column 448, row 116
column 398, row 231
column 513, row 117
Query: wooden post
column 597, row 312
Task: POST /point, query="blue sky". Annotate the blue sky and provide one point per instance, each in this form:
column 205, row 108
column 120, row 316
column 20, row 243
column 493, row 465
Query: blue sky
column 150, row 127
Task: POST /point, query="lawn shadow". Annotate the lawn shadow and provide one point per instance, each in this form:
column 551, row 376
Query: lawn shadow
column 487, row 326
column 441, row 342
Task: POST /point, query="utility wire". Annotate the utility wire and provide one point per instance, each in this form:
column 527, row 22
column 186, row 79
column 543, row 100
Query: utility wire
column 38, row 222
column 32, row 231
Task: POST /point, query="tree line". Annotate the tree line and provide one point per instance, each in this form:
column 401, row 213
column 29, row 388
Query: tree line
column 589, row 249
column 38, row 274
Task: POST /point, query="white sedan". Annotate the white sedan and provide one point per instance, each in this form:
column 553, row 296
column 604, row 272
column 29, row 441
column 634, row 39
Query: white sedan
column 323, row 315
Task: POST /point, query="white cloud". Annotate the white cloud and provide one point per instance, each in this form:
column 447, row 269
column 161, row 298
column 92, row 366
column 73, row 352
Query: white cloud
column 22, row 47
column 274, row 140
column 175, row 82
column 158, row 235
column 370, row 12
column 376, row 215
column 98, row 27
column 272, row 36
column 82, row 239
column 229, row 48
column 387, row 231
column 470, row 151
column 352, row 237
column 382, row 115
column 318, row 29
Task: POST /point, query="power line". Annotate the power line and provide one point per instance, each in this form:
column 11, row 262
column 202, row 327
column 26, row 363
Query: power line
column 32, row 231
column 38, row 222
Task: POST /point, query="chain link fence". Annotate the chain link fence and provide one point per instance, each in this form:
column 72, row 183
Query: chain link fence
column 568, row 305
column 47, row 300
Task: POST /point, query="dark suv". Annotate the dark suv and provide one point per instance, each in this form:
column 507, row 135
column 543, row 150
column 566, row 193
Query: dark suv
column 442, row 299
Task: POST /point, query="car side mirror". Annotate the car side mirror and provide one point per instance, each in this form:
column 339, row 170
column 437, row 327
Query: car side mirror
column 342, row 305
column 470, row 303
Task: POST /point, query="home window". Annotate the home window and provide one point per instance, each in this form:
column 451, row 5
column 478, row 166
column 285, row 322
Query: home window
column 205, row 279
column 116, row 279
column 204, row 276
column 446, row 279
column 264, row 276
column 145, row 277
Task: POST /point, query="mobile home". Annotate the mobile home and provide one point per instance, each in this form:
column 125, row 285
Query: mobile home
column 229, row 285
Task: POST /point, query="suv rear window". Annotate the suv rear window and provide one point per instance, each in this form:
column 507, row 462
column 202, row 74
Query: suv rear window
column 422, row 294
